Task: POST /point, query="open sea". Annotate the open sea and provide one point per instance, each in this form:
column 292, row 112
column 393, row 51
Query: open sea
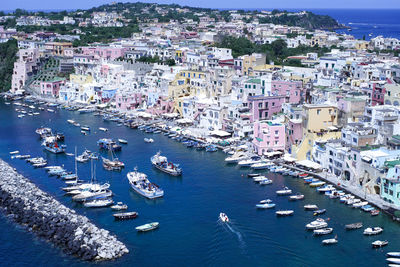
column 189, row 233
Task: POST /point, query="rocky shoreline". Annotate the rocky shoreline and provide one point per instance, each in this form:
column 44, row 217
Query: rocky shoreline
column 27, row 205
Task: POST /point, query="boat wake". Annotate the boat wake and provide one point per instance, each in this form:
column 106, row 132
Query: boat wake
column 233, row 229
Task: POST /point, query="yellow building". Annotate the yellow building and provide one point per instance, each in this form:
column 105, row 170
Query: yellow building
column 251, row 61
column 57, row 48
column 362, row 45
column 80, row 79
column 319, row 123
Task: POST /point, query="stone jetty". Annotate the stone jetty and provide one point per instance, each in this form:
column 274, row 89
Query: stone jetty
column 27, row 205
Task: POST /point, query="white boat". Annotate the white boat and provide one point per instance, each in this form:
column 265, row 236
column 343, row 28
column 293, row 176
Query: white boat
column 119, row 206
column 360, row 204
column 330, row 241
column 260, row 166
column 103, row 129
column 326, row 188
column 249, row 162
column 236, row 158
column 379, row 243
column 265, row 182
column 123, row 141
column 86, row 110
column 223, row 217
column 393, row 260
column 259, row 178
column 14, row 152
column 71, row 121
column 393, row 254
column 317, row 224
column 310, row 207
column 147, row 227
column 50, row 110
column 373, row 230
column 296, row 197
column 323, row 231
column 265, row 204
column 85, row 128
column 284, row 212
column 148, row 140
column 284, row 191
column 161, row 163
column 143, row 186
column 98, row 203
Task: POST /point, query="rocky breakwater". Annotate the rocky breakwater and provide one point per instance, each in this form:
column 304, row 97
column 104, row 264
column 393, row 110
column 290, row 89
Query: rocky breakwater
column 26, row 204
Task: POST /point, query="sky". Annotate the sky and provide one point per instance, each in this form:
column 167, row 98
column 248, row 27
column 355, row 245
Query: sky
column 229, row 4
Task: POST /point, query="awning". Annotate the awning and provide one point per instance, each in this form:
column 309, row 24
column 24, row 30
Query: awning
column 288, row 158
column 184, row 121
column 220, row 133
column 259, row 139
column 309, row 164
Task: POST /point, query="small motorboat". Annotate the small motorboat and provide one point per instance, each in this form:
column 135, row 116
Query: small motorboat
column 123, row 141
column 85, row 128
column 310, row 207
column 148, row 140
column 296, row 197
column 98, row 203
column 330, row 241
column 317, row 224
column 265, row 181
column 223, row 217
column 265, row 204
column 14, row 152
column 373, row 231
column 103, row 129
column 125, row 215
column 360, row 204
column 119, row 206
column 323, row 231
column 374, row 212
column 251, row 175
column 284, row 212
column 379, row 243
column 319, row 212
column 353, row 226
column 393, row 254
column 147, row 227
column 284, row 191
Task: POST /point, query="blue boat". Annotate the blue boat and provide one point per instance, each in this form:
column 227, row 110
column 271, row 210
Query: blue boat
column 367, row 208
column 211, row 148
column 108, row 144
column 51, row 145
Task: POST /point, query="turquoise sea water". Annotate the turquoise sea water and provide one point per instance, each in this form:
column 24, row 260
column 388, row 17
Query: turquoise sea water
column 189, row 233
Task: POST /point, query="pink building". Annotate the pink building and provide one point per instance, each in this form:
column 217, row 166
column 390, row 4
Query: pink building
column 294, row 132
column 105, row 52
column 268, row 136
column 163, row 105
column 126, row 101
column 51, row 88
column 263, row 107
column 292, row 90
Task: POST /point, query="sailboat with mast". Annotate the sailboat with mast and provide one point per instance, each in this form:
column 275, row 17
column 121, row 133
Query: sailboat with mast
column 114, row 164
column 93, row 190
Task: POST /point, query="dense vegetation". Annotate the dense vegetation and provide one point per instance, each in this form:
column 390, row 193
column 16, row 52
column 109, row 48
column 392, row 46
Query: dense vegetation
column 8, row 51
column 276, row 52
column 308, row 21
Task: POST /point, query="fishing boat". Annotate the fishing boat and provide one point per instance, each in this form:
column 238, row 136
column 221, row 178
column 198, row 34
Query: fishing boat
column 223, row 217
column 265, row 204
column 51, row 145
column 353, row 226
column 323, row 231
column 141, row 184
column 296, row 197
column 125, row 215
column 319, row 212
column 98, row 203
column 148, row 140
column 108, row 144
column 330, row 241
column 310, row 207
column 119, row 206
column 147, row 227
column 317, row 224
column 113, row 165
column 123, row 141
column 284, row 191
column 373, row 231
column 284, row 212
column 161, row 163
column 379, row 243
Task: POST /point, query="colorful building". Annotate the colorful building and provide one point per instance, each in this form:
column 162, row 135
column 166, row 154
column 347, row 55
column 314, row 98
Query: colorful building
column 268, row 136
column 264, row 107
column 51, row 88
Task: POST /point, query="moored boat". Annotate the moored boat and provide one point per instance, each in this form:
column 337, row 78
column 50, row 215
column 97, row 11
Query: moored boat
column 119, row 206
column 323, row 231
column 296, row 197
column 373, row 231
column 379, row 243
column 161, row 163
column 147, row 227
column 143, row 186
column 265, row 204
column 284, row 212
column 317, row 224
column 353, row 226
column 310, row 207
column 330, row 241
column 125, row 215
column 319, row 212
column 98, row 203
column 284, row 191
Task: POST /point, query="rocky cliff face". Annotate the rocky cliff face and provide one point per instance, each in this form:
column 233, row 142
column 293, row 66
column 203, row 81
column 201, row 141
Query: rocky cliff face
column 26, row 204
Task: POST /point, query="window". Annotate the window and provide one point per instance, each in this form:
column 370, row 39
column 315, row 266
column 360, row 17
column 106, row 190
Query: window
column 355, row 157
column 273, row 104
column 260, row 105
column 318, row 111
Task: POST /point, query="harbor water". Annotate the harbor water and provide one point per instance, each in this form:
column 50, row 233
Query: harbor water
column 190, row 233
